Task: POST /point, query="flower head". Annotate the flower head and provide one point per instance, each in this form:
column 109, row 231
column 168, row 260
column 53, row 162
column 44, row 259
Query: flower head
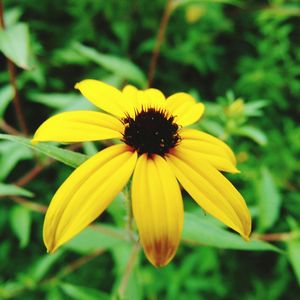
column 158, row 150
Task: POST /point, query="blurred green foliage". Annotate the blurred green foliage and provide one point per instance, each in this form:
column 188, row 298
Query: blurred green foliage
column 241, row 58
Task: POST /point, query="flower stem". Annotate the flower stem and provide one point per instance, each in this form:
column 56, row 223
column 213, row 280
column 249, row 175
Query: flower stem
column 13, row 82
column 127, row 197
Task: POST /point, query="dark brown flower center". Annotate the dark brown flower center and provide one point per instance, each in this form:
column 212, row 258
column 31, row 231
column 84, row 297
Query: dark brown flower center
column 151, row 131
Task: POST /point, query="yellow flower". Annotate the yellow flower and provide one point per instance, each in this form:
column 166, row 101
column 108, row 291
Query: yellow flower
column 157, row 148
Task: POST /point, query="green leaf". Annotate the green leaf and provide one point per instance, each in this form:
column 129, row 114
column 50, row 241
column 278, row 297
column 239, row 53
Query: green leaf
column 118, row 65
column 70, row 158
column 54, row 293
column 197, row 230
column 10, row 154
column 13, row 190
column 269, row 200
column 15, row 44
column 293, row 249
column 83, row 293
column 20, row 221
column 253, row 109
column 90, row 148
column 96, row 237
column 6, row 95
column 252, row 133
column 42, row 265
column 62, row 102
column 187, row 2
column 9, row 289
column 212, row 127
column 12, row 16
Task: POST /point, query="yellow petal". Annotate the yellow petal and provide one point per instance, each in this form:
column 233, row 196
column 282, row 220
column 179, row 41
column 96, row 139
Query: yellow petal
column 130, row 96
column 143, row 99
column 196, row 135
column 79, row 126
column 184, row 108
column 155, row 97
column 104, row 96
column 212, row 153
column 86, row 193
column 157, row 208
column 211, row 190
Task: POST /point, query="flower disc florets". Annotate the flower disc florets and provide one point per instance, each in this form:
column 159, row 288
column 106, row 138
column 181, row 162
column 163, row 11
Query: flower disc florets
column 151, row 131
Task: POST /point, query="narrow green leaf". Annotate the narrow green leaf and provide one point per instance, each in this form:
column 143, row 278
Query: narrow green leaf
column 10, row 155
column 96, row 237
column 199, row 231
column 254, row 109
column 212, row 127
column 62, row 102
column 20, row 221
column 187, row 2
column 90, row 148
column 6, row 95
column 43, row 265
column 70, row 158
column 14, row 44
column 269, row 200
column 54, row 293
column 12, row 16
column 83, row 293
column 13, row 190
column 118, row 65
column 10, row 288
column 293, row 248
column 252, row 133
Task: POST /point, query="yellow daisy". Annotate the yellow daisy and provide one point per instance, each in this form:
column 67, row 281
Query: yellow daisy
column 158, row 150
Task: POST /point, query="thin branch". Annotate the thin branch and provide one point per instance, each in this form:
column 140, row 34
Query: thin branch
column 29, row 204
column 280, row 236
column 159, row 40
column 76, row 264
column 13, row 82
column 8, row 128
column 36, row 170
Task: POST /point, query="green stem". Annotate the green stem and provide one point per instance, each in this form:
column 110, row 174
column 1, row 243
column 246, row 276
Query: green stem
column 129, row 226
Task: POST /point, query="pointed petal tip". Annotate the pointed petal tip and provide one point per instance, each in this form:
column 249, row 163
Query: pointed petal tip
column 159, row 262
column 235, row 171
column 246, row 231
column 51, row 246
column 161, row 253
column 50, row 250
column 76, row 86
column 246, row 238
column 34, row 141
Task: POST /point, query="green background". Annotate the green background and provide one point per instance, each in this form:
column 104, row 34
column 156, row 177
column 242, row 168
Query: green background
column 241, row 58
